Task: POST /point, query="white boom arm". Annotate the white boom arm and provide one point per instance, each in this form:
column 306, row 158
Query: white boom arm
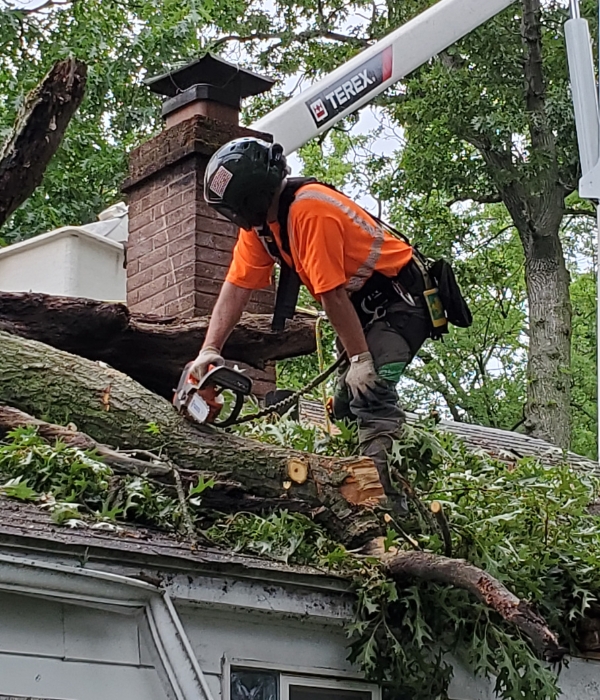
column 365, row 76
column 587, row 121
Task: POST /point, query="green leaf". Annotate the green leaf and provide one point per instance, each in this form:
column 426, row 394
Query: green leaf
column 16, row 488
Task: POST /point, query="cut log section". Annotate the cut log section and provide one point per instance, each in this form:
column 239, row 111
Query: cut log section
column 37, row 134
column 152, row 350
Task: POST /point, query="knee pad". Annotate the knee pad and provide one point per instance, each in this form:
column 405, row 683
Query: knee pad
column 392, row 371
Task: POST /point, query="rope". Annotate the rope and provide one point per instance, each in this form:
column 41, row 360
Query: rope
column 320, row 353
column 290, row 400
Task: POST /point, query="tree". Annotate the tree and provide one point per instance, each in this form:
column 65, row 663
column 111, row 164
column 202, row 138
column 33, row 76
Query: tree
column 104, row 406
column 505, row 134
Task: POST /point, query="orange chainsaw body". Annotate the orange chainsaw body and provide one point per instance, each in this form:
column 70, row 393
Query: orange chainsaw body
column 202, row 400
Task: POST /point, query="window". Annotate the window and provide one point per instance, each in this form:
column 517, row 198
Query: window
column 297, row 692
column 259, row 684
column 248, row 684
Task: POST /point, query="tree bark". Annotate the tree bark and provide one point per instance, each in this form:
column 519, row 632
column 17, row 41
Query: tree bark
column 461, row 574
column 38, row 132
column 152, row 350
column 113, row 409
column 548, row 409
column 549, row 361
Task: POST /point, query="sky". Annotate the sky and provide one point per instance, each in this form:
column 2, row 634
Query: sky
column 28, row 4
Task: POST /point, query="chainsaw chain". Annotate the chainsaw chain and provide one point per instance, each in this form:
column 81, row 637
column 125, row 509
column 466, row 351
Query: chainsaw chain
column 290, row 400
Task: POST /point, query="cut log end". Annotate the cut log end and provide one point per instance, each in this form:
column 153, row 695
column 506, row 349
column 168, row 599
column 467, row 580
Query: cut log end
column 362, row 486
column 297, row 471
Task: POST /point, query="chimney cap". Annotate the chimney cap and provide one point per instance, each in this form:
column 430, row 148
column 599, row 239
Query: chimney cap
column 210, row 70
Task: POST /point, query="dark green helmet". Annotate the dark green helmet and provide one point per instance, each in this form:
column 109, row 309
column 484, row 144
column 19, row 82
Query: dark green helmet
column 242, row 178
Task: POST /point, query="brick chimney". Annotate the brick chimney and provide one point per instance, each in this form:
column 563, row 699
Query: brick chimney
column 179, row 248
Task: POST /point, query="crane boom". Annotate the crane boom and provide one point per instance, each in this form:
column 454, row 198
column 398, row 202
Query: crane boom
column 369, row 73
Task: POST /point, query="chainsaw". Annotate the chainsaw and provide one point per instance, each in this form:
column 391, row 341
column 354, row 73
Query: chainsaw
column 202, row 400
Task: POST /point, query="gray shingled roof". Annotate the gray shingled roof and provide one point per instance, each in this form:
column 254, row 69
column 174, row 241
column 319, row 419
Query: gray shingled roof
column 510, row 446
column 27, row 526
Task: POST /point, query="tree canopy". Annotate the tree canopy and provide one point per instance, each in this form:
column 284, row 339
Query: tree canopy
column 465, row 144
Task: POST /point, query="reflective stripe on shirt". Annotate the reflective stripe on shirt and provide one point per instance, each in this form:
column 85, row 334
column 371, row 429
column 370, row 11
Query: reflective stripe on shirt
column 376, row 232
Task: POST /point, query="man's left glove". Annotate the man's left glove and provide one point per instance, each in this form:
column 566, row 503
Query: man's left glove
column 361, row 376
column 208, row 356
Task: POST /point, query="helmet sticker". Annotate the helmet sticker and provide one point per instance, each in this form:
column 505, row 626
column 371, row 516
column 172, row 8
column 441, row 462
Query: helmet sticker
column 220, row 181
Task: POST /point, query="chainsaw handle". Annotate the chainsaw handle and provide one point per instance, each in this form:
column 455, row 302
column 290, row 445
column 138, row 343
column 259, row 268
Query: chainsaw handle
column 233, row 416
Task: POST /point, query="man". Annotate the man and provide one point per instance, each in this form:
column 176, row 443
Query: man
column 365, row 279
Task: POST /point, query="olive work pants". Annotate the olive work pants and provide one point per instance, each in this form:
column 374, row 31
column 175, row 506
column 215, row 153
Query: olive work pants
column 393, row 341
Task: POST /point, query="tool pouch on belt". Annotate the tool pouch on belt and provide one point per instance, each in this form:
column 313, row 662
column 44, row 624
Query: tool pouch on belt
column 454, row 304
column 416, row 279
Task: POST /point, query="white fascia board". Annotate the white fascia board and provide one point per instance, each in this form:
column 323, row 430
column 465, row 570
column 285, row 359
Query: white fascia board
column 326, row 608
column 66, row 231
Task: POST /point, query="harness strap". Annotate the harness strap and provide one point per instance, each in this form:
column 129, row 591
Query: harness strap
column 288, row 286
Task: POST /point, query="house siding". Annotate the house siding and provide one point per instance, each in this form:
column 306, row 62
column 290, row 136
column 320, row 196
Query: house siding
column 52, row 650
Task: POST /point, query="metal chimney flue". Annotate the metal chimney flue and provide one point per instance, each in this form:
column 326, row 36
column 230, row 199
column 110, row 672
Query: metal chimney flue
column 208, row 86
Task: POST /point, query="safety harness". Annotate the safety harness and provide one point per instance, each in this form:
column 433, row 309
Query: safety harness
column 288, row 287
column 379, row 291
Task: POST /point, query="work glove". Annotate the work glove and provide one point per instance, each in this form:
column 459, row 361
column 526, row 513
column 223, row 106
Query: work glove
column 209, row 355
column 361, row 376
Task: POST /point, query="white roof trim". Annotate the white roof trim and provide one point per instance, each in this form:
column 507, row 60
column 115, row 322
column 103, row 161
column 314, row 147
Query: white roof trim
column 64, row 232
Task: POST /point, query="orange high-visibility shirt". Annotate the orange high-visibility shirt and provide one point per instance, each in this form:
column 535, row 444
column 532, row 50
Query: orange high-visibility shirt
column 333, row 243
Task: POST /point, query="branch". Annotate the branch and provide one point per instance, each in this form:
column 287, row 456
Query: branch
column 38, row 132
column 479, row 198
column 301, row 37
column 535, row 89
column 12, row 418
column 438, row 513
column 487, row 589
column 579, row 407
column 581, row 212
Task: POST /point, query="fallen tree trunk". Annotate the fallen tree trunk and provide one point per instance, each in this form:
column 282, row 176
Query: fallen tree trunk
column 113, row 409
column 150, row 349
column 399, row 564
column 38, row 132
